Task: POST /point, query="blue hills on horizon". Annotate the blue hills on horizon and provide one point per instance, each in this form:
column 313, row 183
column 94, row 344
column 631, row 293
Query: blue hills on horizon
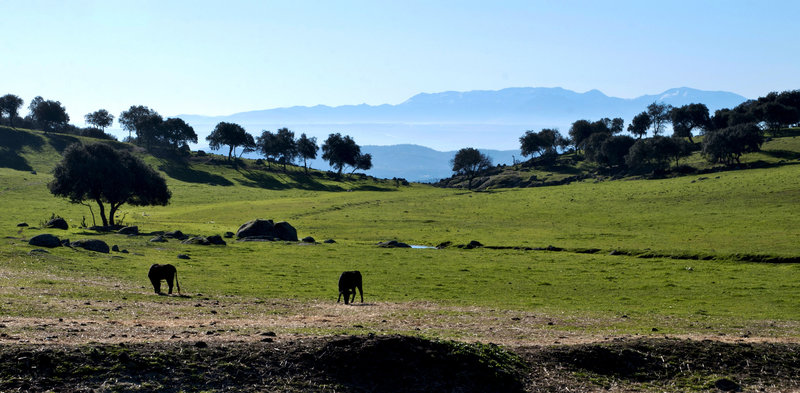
column 416, row 138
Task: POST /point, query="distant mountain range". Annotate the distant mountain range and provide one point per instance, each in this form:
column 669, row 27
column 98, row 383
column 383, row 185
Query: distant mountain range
column 447, row 121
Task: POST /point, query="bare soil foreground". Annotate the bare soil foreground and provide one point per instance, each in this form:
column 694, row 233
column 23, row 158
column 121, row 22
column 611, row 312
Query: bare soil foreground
column 395, row 363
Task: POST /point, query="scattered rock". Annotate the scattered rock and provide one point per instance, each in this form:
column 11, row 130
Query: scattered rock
column 131, row 230
column 124, row 251
column 197, row 240
column 65, row 242
column 38, row 251
column 183, row 256
column 654, row 329
column 229, row 235
column 444, row 245
column 176, row 235
column 115, row 248
column 393, row 244
column 22, row 224
column 308, row 239
column 269, row 334
column 57, row 223
column 217, row 240
column 284, row 231
column 91, row 245
column 201, row 344
column 158, row 239
column 329, row 241
column 614, row 252
column 45, row 240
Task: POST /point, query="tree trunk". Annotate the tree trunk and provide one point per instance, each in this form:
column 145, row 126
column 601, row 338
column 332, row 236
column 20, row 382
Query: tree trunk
column 230, row 151
column 102, row 212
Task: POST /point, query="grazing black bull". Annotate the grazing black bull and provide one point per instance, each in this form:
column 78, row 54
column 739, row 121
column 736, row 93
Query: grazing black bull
column 163, row 272
column 348, row 282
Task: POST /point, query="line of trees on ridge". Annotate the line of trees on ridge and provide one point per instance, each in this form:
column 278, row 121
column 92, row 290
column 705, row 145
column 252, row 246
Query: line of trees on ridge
column 727, row 135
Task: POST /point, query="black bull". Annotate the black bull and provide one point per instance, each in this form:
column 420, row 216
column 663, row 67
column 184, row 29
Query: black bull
column 163, row 272
column 348, row 282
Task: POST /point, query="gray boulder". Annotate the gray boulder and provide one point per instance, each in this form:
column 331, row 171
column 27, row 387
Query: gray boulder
column 256, row 228
column 58, row 223
column 329, row 241
column 183, row 256
column 45, row 240
column 115, row 248
column 131, row 230
column 217, row 240
column 284, row 231
column 309, row 239
column 158, row 239
column 229, row 235
column 22, row 224
column 92, row 245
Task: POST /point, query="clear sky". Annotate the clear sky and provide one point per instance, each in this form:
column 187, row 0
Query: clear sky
column 223, row 57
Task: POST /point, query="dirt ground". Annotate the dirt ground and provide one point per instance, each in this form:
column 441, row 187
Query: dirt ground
column 200, row 344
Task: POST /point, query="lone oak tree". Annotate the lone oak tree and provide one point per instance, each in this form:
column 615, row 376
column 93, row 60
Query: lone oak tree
column 469, row 162
column 100, row 173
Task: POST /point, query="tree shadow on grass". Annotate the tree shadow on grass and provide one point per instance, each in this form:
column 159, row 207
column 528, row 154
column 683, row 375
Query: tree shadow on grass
column 60, row 141
column 11, row 144
column 282, row 181
column 782, row 154
column 181, row 171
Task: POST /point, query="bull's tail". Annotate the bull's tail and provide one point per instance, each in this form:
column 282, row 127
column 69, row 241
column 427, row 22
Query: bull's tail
column 176, row 282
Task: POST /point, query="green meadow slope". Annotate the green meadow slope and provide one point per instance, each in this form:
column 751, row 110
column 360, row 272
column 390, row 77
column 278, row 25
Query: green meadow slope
column 674, row 253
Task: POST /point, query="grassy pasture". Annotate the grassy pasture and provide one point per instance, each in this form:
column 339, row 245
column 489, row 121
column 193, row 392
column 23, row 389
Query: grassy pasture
column 717, row 215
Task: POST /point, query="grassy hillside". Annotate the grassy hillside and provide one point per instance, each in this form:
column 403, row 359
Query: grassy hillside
column 682, row 246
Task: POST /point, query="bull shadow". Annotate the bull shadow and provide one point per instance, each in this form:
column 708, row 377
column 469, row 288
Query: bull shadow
column 12, row 142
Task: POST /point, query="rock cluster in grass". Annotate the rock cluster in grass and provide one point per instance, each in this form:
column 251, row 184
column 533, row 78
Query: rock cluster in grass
column 393, row 244
column 266, row 230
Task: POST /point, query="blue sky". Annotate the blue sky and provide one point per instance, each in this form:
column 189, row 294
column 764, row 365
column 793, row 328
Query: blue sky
column 218, row 58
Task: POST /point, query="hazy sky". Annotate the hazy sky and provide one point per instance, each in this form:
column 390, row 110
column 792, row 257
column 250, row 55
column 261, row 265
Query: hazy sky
column 223, row 57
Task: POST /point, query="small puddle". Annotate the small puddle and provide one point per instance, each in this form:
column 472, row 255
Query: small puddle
column 419, row 246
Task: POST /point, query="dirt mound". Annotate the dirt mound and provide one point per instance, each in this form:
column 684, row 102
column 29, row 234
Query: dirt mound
column 399, row 364
column 352, row 364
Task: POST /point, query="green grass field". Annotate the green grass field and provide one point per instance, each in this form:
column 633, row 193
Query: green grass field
column 683, row 239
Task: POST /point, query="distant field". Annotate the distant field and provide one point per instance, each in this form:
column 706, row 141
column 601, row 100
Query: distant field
column 684, row 239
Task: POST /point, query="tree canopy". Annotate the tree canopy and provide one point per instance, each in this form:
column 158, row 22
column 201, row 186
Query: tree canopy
column 9, row 105
column 49, row 115
column 542, row 143
column 307, row 149
column 727, row 145
column 177, row 132
column 100, row 118
column 688, row 117
column 659, row 116
column 230, row 134
column 340, row 151
column 138, row 118
column 101, row 174
column 469, row 162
